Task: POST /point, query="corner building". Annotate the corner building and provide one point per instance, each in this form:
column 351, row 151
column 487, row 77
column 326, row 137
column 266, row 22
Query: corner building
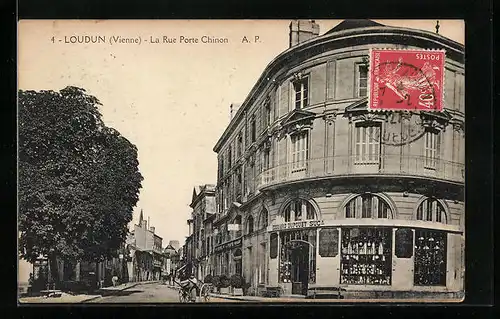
column 315, row 190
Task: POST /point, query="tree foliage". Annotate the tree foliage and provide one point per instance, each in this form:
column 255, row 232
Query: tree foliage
column 78, row 179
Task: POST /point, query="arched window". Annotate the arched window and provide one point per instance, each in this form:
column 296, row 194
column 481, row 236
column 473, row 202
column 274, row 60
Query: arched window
column 237, row 226
column 263, row 219
column 297, row 210
column 250, row 225
column 431, row 210
column 367, row 206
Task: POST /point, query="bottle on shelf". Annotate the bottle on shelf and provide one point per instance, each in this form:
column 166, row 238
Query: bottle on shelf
column 380, row 249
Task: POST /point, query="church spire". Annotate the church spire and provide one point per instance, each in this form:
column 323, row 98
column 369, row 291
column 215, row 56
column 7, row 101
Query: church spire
column 141, row 218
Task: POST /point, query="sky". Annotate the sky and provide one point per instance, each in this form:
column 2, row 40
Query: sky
column 170, row 99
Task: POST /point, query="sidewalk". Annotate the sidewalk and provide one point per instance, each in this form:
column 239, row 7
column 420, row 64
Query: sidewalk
column 295, row 299
column 81, row 298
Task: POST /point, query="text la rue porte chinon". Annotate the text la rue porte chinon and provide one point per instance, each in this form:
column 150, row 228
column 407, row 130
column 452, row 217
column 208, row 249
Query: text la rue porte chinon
column 102, row 39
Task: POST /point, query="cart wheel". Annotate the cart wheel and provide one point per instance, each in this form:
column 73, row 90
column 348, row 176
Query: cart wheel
column 193, row 294
column 182, row 297
column 206, row 293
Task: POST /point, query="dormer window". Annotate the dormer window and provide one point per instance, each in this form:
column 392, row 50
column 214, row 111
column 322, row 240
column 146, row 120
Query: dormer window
column 301, row 90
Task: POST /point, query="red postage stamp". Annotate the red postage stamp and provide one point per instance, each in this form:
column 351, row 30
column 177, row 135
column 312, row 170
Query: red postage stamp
column 406, row 80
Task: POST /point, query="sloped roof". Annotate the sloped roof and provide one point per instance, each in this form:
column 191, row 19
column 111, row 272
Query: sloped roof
column 354, row 24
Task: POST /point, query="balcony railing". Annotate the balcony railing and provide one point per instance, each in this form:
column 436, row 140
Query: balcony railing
column 418, row 166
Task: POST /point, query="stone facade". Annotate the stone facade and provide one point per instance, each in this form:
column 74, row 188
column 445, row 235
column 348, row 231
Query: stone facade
column 306, row 170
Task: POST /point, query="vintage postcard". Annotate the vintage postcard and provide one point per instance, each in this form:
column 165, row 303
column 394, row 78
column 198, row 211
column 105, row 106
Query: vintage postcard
column 177, row 161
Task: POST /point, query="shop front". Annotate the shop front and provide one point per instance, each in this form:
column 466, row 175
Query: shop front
column 228, row 257
column 386, row 256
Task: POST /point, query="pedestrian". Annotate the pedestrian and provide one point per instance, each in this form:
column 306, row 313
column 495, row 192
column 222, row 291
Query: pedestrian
column 115, row 280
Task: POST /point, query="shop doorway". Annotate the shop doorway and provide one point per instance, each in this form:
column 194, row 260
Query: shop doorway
column 299, row 259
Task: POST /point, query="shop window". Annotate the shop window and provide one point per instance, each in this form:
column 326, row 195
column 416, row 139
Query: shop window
column 431, row 210
column 430, row 258
column 298, row 210
column 367, row 143
column 328, row 242
column 404, row 243
column 366, row 256
column 301, row 90
column 299, row 150
column 367, row 206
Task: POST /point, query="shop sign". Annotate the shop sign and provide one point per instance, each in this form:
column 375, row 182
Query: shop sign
column 301, row 224
column 228, row 245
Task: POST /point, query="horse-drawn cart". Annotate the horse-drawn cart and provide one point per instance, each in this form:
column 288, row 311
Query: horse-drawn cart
column 193, row 290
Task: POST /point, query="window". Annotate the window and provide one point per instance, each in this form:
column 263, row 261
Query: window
column 299, row 150
column 229, row 157
column 298, row 210
column 301, row 88
column 265, row 165
column 367, row 206
column 366, row 256
column 253, row 129
column 267, row 114
column 250, row 225
column 367, row 148
column 431, row 210
column 430, row 258
column 362, row 80
column 239, row 181
column 263, row 219
column 432, row 148
column 240, row 144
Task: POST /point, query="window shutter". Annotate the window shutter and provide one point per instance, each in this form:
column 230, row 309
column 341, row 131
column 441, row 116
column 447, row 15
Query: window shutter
column 273, row 248
column 284, row 98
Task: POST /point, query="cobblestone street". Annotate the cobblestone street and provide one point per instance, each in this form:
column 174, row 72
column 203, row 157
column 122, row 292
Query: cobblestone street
column 148, row 293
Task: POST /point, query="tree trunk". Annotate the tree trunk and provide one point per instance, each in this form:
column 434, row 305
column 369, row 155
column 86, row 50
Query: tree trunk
column 53, row 271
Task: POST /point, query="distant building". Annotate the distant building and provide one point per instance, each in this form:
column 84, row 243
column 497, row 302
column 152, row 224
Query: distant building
column 147, row 254
column 175, row 244
column 200, row 240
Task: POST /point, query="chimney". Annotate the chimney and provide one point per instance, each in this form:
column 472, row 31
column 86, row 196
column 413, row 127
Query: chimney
column 233, row 108
column 152, row 229
column 302, row 30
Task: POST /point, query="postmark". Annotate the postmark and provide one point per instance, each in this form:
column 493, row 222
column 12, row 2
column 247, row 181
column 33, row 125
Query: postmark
column 406, row 80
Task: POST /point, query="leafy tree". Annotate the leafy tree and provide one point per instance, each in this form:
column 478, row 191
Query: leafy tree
column 78, row 179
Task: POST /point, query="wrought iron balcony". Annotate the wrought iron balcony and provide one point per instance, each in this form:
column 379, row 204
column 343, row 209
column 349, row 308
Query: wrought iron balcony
column 338, row 166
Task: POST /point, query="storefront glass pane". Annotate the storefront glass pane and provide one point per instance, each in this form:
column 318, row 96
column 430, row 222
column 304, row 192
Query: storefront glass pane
column 430, row 258
column 366, row 256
